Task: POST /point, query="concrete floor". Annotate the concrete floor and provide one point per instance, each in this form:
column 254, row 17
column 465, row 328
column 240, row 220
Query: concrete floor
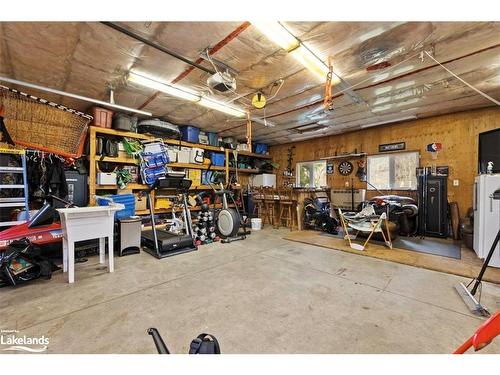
column 262, row 295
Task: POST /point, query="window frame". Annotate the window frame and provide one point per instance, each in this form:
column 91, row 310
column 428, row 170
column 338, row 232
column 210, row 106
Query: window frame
column 392, row 170
column 311, row 162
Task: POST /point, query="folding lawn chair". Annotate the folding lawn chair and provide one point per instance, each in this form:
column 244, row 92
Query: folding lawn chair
column 365, row 221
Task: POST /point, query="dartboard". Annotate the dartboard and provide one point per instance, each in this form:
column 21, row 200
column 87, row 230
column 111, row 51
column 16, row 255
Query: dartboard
column 345, row 168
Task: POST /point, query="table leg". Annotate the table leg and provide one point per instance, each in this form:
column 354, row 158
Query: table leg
column 65, row 255
column 102, row 249
column 71, row 261
column 111, row 267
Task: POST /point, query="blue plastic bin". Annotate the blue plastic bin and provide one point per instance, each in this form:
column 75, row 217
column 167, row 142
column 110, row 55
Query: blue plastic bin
column 128, row 200
column 190, row 134
column 213, row 139
column 260, row 148
column 218, row 159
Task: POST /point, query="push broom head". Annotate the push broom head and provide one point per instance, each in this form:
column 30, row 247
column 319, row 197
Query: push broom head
column 472, row 303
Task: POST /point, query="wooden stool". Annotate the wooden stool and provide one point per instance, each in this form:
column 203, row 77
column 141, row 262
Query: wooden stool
column 258, row 201
column 270, row 204
column 287, row 208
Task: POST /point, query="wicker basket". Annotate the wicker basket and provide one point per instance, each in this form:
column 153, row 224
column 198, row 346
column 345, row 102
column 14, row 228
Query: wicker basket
column 37, row 123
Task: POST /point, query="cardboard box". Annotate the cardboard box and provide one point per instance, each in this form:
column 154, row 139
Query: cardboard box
column 141, row 201
column 195, row 176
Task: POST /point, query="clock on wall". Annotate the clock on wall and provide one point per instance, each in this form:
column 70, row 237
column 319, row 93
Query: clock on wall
column 345, row 168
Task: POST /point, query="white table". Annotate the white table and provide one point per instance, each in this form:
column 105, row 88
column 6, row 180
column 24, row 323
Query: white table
column 87, row 223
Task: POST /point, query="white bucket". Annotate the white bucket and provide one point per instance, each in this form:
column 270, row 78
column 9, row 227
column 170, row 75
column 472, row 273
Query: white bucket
column 256, row 224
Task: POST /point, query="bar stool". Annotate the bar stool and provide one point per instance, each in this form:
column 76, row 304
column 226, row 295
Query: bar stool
column 258, row 201
column 270, row 204
column 287, row 208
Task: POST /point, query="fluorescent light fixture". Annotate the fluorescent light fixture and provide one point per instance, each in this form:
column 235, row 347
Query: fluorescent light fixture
column 278, row 34
column 167, row 89
column 186, row 94
column 412, row 117
column 212, row 104
column 311, row 62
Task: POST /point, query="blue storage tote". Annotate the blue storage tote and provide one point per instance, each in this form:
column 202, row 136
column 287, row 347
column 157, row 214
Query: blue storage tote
column 260, row 148
column 218, row 159
column 190, row 134
column 213, row 139
column 128, row 200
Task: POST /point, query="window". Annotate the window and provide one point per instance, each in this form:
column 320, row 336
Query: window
column 311, row 174
column 393, row 171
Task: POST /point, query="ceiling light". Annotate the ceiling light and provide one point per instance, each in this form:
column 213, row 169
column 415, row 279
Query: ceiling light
column 412, row 117
column 311, row 62
column 213, row 104
column 277, row 33
column 167, row 89
column 186, row 94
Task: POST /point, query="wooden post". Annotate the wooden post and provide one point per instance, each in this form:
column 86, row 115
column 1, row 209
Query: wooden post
column 249, row 132
column 92, row 163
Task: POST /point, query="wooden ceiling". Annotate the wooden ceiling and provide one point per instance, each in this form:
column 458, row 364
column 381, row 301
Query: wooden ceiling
column 89, row 58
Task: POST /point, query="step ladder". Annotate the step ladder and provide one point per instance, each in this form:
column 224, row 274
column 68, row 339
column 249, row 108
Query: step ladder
column 7, row 204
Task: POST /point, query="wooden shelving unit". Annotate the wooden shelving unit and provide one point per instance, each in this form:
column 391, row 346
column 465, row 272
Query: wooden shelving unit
column 93, row 159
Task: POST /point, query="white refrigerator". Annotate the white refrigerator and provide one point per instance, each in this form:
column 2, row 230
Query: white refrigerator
column 486, row 216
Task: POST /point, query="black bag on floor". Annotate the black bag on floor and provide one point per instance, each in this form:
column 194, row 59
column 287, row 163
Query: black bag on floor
column 204, row 344
column 21, row 262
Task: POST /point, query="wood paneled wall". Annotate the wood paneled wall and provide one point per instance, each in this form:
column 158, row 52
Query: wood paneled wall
column 457, row 132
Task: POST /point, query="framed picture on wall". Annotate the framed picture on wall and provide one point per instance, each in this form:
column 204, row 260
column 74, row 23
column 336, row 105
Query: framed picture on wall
column 386, row 147
column 329, row 168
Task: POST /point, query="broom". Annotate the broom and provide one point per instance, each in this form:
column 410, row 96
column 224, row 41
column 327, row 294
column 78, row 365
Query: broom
column 469, row 297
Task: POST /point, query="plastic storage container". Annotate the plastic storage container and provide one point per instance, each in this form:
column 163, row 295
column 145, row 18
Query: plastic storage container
column 196, row 155
column 260, row 148
column 124, row 122
column 213, row 139
column 103, row 118
column 190, row 133
column 128, row 200
column 184, row 155
column 218, row 159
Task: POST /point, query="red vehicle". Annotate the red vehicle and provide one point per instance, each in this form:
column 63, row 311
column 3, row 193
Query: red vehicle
column 42, row 230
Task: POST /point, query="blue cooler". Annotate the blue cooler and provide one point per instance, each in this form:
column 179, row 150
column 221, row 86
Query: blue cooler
column 190, row 134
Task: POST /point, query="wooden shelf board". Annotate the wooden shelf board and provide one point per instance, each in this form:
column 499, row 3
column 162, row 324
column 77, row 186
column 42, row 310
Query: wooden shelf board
column 119, row 159
column 174, row 141
column 252, row 154
column 245, row 170
column 132, row 185
column 196, row 166
column 121, row 133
